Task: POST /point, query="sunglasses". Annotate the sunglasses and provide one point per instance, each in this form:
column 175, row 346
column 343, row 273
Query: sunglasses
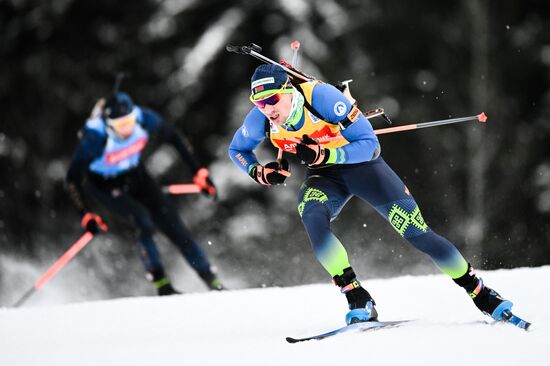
column 272, row 98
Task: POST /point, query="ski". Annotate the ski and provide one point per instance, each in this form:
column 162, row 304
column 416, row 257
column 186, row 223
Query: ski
column 508, row 317
column 375, row 325
column 358, row 327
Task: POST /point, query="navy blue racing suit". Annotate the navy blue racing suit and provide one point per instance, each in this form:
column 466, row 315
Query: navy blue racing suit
column 119, row 181
column 355, row 168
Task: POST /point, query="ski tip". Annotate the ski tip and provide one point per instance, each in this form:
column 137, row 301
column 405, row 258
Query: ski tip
column 520, row 323
column 513, row 319
column 482, row 117
column 291, row 340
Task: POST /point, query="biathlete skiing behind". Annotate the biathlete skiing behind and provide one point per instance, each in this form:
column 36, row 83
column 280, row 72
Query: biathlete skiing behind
column 317, row 122
column 109, row 157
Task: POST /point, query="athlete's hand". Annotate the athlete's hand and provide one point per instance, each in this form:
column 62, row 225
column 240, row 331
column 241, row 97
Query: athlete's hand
column 271, row 173
column 309, row 151
column 93, row 223
column 202, row 180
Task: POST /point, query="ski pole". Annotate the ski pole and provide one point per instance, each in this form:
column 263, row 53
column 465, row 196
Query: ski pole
column 182, row 189
column 482, row 117
column 69, row 254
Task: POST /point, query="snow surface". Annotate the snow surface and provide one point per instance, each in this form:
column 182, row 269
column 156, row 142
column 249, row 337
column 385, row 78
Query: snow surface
column 248, row 327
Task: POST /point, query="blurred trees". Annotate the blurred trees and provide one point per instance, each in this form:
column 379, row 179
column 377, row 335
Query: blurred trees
column 486, row 187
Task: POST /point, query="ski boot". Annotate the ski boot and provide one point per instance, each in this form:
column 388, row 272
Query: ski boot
column 166, row 289
column 361, row 304
column 211, row 280
column 161, row 283
column 486, row 299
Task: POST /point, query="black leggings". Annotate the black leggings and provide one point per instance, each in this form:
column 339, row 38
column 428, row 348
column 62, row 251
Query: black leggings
column 137, row 199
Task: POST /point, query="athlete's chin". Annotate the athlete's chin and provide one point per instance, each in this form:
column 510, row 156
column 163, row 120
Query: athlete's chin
column 123, row 136
column 275, row 120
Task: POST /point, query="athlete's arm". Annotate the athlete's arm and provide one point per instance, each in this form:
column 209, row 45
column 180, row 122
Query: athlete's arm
column 155, row 124
column 246, row 139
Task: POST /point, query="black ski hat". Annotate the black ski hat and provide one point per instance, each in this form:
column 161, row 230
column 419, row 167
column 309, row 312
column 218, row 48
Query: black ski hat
column 118, row 105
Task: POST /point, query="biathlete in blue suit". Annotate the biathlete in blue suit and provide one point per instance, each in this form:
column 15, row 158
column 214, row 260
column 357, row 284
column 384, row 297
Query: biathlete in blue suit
column 108, row 158
column 316, row 122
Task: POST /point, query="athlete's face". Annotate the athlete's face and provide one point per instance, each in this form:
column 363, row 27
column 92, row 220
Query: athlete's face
column 123, row 126
column 278, row 113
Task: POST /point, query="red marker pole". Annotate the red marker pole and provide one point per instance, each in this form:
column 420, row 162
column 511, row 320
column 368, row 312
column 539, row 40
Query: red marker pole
column 60, row 263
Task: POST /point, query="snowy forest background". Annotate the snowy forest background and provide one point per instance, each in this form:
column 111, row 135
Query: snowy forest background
column 485, row 187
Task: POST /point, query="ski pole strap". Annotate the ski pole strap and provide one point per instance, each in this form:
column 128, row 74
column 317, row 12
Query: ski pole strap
column 350, row 286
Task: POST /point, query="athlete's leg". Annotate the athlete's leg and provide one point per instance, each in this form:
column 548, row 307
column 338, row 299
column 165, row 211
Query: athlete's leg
column 167, row 219
column 134, row 213
column 131, row 211
column 376, row 183
column 321, row 199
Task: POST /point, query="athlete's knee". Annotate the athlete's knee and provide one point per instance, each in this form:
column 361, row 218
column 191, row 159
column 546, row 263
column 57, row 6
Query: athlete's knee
column 406, row 218
column 316, row 215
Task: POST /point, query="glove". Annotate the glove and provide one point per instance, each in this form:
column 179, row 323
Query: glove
column 205, row 184
column 93, row 223
column 271, row 173
column 309, row 151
